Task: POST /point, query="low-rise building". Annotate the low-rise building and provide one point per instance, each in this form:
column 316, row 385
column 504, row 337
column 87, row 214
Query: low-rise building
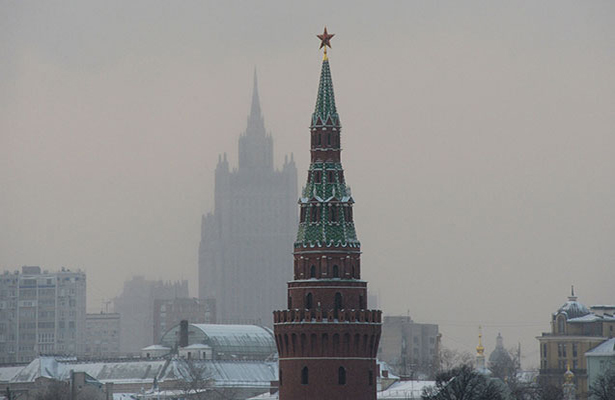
column 226, row 342
column 102, row 335
column 575, row 330
column 169, row 312
column 600, row 360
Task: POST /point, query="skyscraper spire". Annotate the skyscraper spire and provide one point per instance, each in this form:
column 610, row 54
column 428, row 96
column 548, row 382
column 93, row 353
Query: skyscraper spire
column 255, row 110
column 255, row 146
column 256, row 123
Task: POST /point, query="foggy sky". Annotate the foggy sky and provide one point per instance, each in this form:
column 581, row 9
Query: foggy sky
column 478, row 140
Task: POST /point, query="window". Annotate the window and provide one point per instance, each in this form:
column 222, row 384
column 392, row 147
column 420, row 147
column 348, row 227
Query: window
column 308, row 301
column 341, row 376
column 333, row 213
column 336, row 271
column 574, row 350
column 361, row 302
column 564, row 350
column 312, row 271
column 304, row 376
column 338, row 301
column 290, row 303
column 561, row 324
column 329, row 138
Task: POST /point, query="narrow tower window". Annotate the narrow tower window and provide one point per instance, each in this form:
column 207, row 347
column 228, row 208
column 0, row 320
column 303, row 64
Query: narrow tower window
column 336, row 271
column 308, row 301
column 338, row 301
column 312, row 272
column 341, row 376
column 304, row 376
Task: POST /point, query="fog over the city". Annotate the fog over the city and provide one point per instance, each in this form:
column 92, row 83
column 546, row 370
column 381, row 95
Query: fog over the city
column 478, row 141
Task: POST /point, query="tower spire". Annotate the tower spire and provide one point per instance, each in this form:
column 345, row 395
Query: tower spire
column 325, row 112
column 327, row 299
column 255, row 109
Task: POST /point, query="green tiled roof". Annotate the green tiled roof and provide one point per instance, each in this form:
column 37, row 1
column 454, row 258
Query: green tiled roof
column 325, row 113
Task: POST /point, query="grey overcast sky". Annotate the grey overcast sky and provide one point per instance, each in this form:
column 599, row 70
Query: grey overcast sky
column 478, row 135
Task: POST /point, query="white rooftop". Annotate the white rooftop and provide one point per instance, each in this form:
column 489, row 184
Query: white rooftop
column 607, row 348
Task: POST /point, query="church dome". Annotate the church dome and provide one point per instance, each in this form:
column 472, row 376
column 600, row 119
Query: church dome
column 572, row 308
column 499, row 356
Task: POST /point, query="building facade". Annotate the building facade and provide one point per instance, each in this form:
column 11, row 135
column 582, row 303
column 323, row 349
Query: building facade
column 41, row 312
column 169, row 312
column 410, row 348
column 244, row 249
column 600, row 361
column 327, row 338
column 136, row 308
column 102, row 335
column 575, row 330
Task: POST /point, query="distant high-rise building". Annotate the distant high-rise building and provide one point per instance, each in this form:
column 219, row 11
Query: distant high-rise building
column 170, row 312
column 244, row 255
column 136, row 308
column 409, row 347
column 102, row 335
column 41, row 313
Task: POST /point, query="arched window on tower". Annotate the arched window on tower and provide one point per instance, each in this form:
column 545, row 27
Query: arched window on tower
column 336, row 271
column 312, row 271
column 329, row 138
column 319, row 139
column 341, row 376
column 339, row 304
column 561, row 324
column 304, row 376
column 308, row 301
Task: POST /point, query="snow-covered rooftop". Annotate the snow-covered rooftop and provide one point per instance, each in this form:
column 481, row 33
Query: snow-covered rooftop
column 405, row 390
column 232, row 341
column 607, row 348
column 224, row 373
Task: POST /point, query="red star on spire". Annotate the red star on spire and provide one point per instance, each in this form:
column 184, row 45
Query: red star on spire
column 325, row 39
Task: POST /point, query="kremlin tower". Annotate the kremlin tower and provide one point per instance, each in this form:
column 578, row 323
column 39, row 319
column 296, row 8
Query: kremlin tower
column 327, row 339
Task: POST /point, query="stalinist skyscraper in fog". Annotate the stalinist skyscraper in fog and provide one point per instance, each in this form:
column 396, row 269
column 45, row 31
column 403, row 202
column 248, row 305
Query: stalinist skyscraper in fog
column 244, row 257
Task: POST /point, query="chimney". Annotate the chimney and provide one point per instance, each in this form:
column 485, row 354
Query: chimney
column 183, row 333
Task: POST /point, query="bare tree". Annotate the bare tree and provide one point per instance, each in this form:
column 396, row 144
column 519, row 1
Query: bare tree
column 465, row 383
column 198, row 382
column 603, row 388
column 451, row 358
